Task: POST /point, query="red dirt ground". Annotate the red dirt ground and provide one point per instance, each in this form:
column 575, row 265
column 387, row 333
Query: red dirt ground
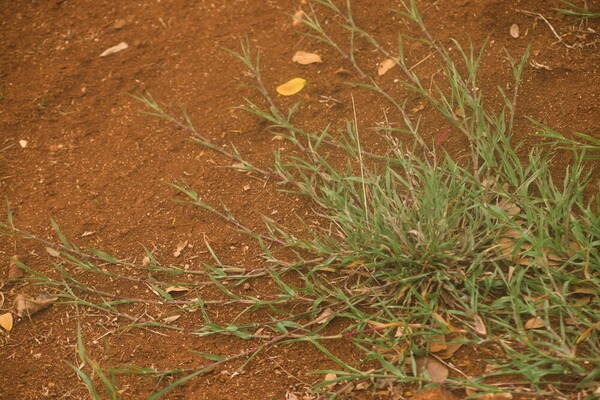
column 95, row 164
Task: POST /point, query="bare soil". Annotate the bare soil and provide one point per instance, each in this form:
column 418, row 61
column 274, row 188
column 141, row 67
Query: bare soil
column 95, row 164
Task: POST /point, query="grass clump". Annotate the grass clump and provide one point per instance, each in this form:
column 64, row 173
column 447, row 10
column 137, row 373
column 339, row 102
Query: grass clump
column 421, row 242
column 489, row 251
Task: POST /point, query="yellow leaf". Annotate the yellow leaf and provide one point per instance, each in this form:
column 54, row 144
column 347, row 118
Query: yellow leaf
column 304, row 58
column 291, row 87
column 6, row 321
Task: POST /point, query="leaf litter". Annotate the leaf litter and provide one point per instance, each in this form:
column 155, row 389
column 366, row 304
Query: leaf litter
column 385, row 66
column 291, row 87
column 26, row 305
column 436, row 370
column 305, row 58
column 6, row 321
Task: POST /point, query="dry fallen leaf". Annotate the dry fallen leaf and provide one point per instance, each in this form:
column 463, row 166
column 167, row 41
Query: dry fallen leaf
column 179, row 248
column 534, row 323
column 514, row 31
column 436, row 370
column 437, row 343
column 177, row 289
column 385, row 66
column 304, row 58
column 452, row 347
column 52, row 252
column 27, row 305
column 6, row 321
column 479, row 325
column 496, row 396
column 291, row 87
column 324, row 316
column 509, row 207
column 14, row 271
column 172, row 318
column 115, row 49
column 297, row 18
column 146, row 261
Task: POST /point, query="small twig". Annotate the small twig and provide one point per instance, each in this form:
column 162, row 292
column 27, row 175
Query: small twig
column 540, row 16
column 421, row 62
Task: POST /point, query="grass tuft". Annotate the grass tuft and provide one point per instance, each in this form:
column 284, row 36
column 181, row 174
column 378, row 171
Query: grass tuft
column 489, row 251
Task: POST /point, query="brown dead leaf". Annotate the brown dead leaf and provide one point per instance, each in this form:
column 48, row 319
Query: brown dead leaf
column 146, row 261
column 440, row 319
column 177, row 290
column 6, row 321
column 297, row 18
column 172, row 318
column 509, row 207
column 496, row 396
column 534, row 323
column 14, row 271
column 305, row 58
column 506, row 246
column 385, row 66
column 514, row 31
column 452, row 345
column 437, row 343
column 479, row 325
column 52, row 252
column 513, row 234
column 325, row 315
column 27, row 305
column 179, row 248
column 436, row 370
